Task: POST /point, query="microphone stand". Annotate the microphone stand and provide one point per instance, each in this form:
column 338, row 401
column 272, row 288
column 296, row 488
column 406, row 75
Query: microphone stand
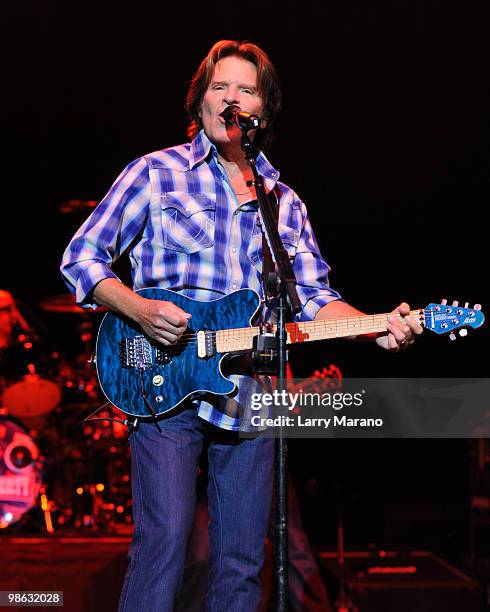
column 286, row 290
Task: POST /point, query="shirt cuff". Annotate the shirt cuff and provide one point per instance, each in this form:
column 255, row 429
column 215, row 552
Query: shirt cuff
column 87, row 281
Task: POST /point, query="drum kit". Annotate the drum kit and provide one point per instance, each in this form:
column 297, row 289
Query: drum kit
column 58, row 470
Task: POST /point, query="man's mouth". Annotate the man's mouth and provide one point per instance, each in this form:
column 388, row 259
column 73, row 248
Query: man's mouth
column 235, row 107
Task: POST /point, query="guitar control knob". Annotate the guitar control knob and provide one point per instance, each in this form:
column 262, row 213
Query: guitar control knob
column 158, row 380
column 455, row 303
column 452, row 336
column 463, row 332
column 477, row 306
column 444, row 302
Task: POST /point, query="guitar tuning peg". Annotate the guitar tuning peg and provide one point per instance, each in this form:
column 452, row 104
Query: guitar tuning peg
column 455, row 303
column 463, row 332
column 444, row 302
column 466, row 304
column 477, row 306
column 452, row 336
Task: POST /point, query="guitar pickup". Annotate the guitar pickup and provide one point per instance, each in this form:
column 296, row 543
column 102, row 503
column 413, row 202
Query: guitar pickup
column 206, row 344
column 135, row 353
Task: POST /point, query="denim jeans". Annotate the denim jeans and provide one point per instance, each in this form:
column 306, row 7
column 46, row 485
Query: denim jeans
column 307, row 592
column 164, row 467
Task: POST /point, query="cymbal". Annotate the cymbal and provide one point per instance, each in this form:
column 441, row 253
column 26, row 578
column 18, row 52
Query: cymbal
column 66, row 304
column 71, row 206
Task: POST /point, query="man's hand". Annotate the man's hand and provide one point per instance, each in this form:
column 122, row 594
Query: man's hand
column 163, row 321
column 401, row 333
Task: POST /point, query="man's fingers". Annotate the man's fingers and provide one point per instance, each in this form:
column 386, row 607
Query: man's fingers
column 414, row 325
column 403, row 309
column 392, row 343
column 164, row 321
column 165, row 326
column 161, row 314
column 174, row 315
column 401, row 331
column 175, row 330
column 168, row 338
column 163, row 336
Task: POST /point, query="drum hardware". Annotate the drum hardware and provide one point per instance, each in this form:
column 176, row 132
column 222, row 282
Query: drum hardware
column 97, row 475
column 28, row 382
column 79, row 384
column 78, row 380
column 88, row 505
column 65, row 303
column 92, row 510
column 46, row 507
column 46, row 400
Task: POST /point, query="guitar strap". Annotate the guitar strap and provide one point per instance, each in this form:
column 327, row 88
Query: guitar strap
column 267, row 262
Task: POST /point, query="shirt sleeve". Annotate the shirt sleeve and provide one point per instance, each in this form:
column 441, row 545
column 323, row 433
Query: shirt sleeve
column 311, row 270
column 107, row 233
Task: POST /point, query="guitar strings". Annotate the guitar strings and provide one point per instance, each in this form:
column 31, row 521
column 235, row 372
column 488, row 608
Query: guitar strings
column 247, row 333
column 342, row 324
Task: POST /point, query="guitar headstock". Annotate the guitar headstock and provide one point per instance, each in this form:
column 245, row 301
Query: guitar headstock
column 445, row 319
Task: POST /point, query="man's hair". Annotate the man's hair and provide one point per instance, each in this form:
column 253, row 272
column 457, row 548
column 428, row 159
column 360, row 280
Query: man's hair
column 267, row 85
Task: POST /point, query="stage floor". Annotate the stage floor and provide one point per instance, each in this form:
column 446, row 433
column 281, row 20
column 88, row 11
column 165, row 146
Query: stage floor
column 89, row 570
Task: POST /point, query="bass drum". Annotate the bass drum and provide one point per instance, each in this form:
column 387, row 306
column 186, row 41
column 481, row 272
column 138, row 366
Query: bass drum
column 28, row 378
column 20, row 471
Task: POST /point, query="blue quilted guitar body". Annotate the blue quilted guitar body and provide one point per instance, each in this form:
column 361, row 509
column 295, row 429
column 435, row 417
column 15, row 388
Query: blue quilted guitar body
column 128, row 363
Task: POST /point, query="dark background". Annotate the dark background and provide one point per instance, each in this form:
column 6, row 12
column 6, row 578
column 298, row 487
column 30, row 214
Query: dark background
column 385, row 134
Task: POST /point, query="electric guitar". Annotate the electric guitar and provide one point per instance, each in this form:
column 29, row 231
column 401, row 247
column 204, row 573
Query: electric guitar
column 144, row 378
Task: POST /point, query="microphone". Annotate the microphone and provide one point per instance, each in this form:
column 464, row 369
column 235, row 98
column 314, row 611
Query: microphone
column 243, row 120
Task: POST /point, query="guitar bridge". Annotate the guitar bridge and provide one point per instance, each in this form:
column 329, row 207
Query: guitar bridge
column 135, row 353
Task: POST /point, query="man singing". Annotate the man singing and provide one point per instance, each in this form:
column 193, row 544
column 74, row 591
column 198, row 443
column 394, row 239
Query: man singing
column 187, row 215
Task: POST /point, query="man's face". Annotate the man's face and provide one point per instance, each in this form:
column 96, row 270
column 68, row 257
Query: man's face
column 234, row 82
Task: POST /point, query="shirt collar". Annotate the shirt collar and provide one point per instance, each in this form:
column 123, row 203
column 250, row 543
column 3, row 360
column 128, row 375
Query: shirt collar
column 201, row 147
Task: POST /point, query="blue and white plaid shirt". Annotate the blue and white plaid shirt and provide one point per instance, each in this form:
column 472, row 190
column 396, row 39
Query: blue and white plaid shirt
column 176, row 214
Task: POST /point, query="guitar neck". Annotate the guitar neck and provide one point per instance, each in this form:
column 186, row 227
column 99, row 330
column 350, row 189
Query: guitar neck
column 241, row 339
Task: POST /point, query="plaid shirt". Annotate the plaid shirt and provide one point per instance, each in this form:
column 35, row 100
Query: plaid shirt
column 176, row 214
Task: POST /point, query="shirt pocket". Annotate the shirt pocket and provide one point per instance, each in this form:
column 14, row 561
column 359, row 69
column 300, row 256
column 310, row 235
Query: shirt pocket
column 188, row 221
column 289, row 237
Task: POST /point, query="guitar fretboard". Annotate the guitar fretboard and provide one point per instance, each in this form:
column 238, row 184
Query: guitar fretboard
column 241, row 339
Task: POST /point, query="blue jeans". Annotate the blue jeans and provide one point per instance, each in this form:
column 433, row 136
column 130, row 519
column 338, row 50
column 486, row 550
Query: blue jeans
column 164, row 469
